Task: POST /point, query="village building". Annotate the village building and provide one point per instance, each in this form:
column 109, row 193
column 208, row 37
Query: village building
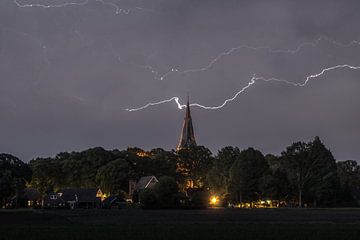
column 135, row 187
column 187, row 137
column 32, row 197
column 187, row 140
column 53, row 200
column 74, row 198
column 146, row 182
column 29, row 197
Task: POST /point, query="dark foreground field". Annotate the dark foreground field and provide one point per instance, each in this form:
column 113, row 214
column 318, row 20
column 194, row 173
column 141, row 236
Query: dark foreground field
column 216, row 224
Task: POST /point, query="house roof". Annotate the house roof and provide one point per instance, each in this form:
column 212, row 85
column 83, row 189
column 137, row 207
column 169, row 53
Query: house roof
column 146, row 182
column 79, row 194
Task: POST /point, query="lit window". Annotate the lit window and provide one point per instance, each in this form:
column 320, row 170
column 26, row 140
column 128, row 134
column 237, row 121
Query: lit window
column 53, row 197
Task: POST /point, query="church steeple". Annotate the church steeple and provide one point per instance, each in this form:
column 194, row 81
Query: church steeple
column 187, row 138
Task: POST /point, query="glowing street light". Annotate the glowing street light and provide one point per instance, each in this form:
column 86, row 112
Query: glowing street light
column 214, row 200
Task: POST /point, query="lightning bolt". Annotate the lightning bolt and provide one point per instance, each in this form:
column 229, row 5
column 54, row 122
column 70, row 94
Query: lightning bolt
column 117, row 8
column 121, row 10
column 51, row 5
column 175, row 99
column 174, row 70
column 252, row 81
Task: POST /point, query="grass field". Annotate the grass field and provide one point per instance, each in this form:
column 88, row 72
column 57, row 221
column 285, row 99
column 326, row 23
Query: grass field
column 181, row 224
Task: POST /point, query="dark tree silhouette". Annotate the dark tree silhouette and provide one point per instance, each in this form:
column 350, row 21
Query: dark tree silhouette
column 13, row 176
column 193, row 164
column 246, row 175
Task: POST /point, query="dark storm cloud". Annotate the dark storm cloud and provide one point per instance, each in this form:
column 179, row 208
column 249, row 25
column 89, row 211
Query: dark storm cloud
column 67, row 74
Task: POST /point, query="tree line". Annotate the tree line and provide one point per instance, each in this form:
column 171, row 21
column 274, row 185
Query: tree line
column 304, row 173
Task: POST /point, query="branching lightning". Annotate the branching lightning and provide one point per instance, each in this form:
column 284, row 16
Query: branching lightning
column 175, row 70
column 157, row 75
column 122, row 10
column 118, row 9
column 252, row 81
column 66, row 4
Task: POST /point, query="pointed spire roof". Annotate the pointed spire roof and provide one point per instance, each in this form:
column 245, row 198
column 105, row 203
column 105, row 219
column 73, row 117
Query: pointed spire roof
column 187, row 137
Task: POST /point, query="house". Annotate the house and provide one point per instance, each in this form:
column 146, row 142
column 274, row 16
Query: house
column 143, row 183
column 146, row 182
column 29, row 197
column 82, row 197
column 32, row 197
column 74, row 198
column 53, row 200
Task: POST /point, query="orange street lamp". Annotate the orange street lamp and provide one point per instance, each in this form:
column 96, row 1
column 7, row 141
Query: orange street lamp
column 214, row 200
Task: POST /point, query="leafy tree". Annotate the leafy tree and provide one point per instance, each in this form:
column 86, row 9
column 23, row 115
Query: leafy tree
column 326, row 181
column 91, row 160
column 200, row 199
column 275, row 185
column 113, row 178
column 167, row 191
column 279, row 186
column 349, row 177
column 163, row 163
column 218, row 177
column 273, row 161
column 148, row 199
column 298, row 167
column 13, row 176
column 75, row 169
column 165, row 194
column 246, row 175
column 311, row 170
column 7, row 186
column 47, row 174
column 193, row 164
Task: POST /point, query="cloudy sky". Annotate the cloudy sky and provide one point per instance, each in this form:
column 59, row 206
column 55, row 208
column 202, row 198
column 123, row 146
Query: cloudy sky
column 69, row 69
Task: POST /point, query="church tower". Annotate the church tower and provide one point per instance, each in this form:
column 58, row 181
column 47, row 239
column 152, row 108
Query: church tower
column 187, row 138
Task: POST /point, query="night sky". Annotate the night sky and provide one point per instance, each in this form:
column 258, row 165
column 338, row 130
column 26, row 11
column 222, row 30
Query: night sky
column 69, row 69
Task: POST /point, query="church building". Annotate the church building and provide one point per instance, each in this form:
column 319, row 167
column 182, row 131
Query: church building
column 187, row 138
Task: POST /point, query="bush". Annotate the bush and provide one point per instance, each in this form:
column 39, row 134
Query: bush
column 200, row 199
column 148, row 199
column 167, row 192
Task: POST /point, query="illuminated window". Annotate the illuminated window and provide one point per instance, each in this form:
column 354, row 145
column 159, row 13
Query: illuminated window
column 53, row 197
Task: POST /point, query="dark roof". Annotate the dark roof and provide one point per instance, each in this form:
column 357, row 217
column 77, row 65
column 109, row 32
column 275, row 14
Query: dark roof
column 31, row 194
column 187, row 138
column 146, row 182
column 79, row 194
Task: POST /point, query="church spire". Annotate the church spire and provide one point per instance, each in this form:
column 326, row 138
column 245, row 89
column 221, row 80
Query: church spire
column 187, row 138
